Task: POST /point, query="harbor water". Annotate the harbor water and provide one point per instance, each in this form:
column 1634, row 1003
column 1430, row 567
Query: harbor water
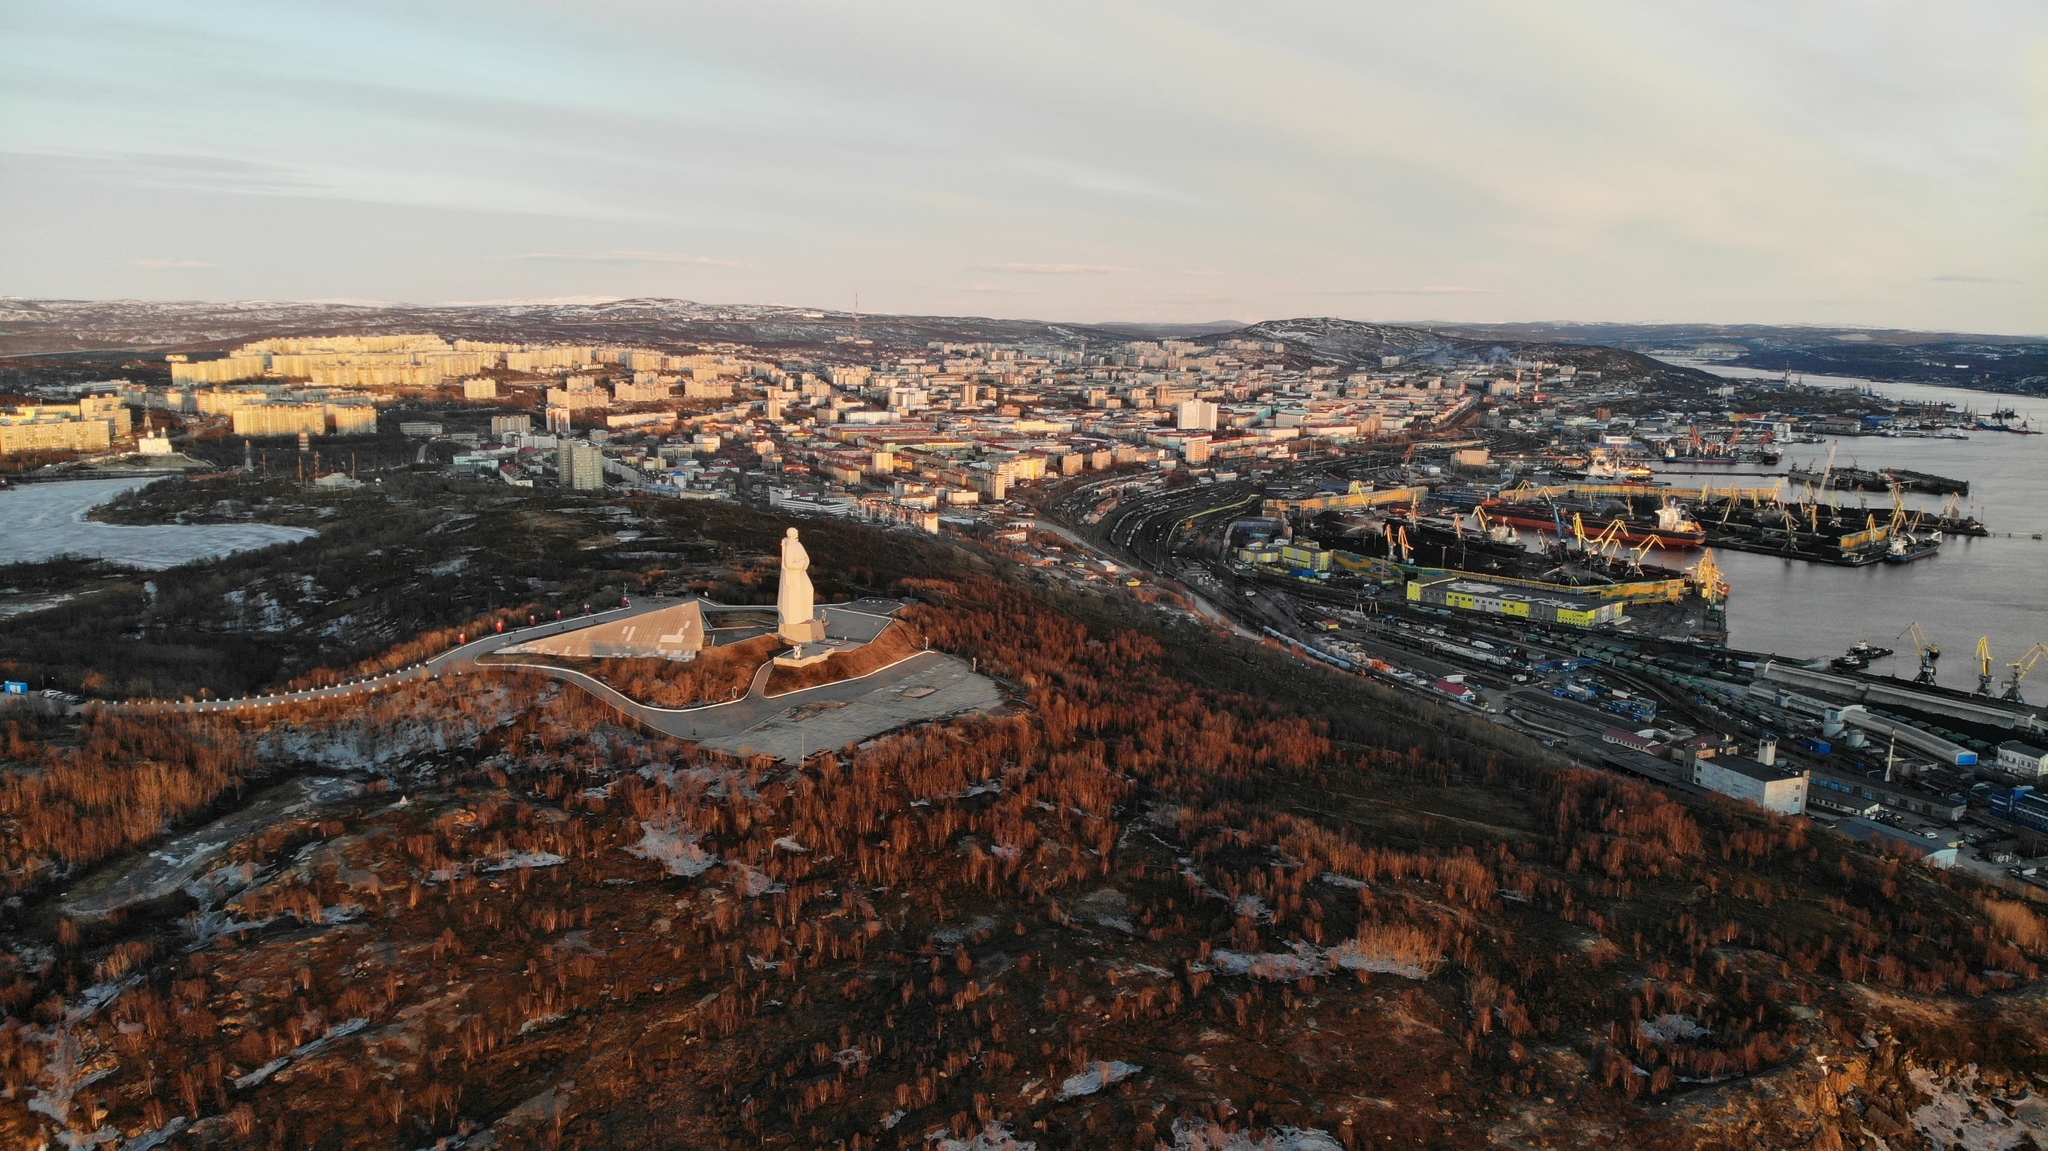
column 1995, row 586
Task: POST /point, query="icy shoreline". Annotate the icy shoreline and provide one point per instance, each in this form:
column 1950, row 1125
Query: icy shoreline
column 43, row 521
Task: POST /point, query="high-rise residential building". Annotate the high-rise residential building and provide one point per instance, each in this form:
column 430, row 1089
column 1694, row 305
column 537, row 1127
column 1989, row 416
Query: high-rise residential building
column 582, row 466
column 258, row 420
column 1195, row 416
column 29, row 429
column 353, row 419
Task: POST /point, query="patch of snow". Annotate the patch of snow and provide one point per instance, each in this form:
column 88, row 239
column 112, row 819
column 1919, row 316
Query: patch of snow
column 1305, row 960
column 1961, row 1115
column 1095, row 1077
column 752, row 882
column 992, row 1137
column 789, row 843
column 1107, row 908
column 1352, row 957
column 257, row 1076
column 673, row 848
column 960, row 931
column 540, row 1021
column 97, row 996
column 1336, row 880
column 1671, row 1028
column 64, row 1076
column 1191, row 1134
column 149, row 1140
column 1268, row 965
column 523, row 859
column 341, row 913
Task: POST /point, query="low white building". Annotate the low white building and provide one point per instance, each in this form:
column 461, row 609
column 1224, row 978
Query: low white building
column 2022, row 759
column 1768, row 786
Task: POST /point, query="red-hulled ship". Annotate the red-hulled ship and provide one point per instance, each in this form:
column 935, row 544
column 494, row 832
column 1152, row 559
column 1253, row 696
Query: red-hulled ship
column 1668, row 523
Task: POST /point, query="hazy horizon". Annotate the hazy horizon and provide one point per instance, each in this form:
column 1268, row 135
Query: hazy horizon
column 1829, row 165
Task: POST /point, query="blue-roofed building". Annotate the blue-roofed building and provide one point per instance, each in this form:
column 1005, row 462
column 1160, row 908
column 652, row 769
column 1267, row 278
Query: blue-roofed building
column 2021, row 805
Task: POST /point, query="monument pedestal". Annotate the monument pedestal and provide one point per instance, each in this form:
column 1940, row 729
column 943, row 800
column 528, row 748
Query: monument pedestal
column 802, row 631
column 804, row 655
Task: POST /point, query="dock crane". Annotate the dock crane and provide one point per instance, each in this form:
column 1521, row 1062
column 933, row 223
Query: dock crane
column 1635, row 564
column 1930, row 654
column 1983, row 667
column 2020, row 667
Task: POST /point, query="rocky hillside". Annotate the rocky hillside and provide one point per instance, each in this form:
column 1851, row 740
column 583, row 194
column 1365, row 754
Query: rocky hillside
column 1183, row 894
column 1351, row 344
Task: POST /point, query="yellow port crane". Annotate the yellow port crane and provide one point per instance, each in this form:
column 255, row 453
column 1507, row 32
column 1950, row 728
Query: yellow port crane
column 2020, row 667
column 1930, row 654
column 1635, row 563
column 1983, row 667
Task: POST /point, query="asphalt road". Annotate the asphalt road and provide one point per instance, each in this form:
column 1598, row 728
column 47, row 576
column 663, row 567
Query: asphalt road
column 924, row 686
column 424, row 670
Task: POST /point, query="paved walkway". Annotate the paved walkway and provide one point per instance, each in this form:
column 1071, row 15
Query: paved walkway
column 925, row 686
column 426, row 669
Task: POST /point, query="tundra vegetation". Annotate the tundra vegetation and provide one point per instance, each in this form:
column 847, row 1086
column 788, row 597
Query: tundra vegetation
column 1182, row 889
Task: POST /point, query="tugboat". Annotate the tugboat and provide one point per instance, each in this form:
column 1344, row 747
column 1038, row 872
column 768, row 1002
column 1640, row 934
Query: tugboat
column 1865, row 650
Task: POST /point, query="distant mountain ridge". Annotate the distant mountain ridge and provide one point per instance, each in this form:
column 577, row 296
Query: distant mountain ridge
column 2010, row 364
column 1351, row 344
column 30, row 327
column 45, row 327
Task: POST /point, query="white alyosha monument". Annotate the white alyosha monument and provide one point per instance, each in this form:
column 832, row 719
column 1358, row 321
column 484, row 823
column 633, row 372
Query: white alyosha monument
column 796, row 611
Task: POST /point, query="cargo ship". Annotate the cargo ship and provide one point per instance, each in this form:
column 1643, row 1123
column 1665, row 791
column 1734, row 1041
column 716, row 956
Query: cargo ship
column 1665, row 522
column 1807, row 531
column 1908, row 548
column 1424, row 540
column 1951, row 520
column 1863, row 480
column 2001, row 421
column 1483, row 545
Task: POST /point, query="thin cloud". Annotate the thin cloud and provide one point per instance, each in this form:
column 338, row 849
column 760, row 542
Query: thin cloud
column 160, row 265
column 1969, row 280
column 1060, row 269
column 1423, row 291
column 625, row 257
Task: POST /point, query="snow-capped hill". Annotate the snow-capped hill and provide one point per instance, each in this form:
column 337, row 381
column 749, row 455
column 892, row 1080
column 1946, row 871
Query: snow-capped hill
column 1327, row 339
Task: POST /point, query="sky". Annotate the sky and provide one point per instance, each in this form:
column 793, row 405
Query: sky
column 1743, row 161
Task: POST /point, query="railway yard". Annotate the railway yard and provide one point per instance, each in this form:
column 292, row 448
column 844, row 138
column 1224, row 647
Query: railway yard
column 1643, row 692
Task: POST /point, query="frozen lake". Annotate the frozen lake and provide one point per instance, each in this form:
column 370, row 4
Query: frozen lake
column 42, row 521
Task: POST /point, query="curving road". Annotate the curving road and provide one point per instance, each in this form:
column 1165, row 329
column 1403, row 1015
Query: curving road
column 924, row 686
column 429, row 668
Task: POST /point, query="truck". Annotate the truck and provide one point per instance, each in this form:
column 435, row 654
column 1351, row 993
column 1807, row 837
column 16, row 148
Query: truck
column 1641, row 710
column 1817, row 746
